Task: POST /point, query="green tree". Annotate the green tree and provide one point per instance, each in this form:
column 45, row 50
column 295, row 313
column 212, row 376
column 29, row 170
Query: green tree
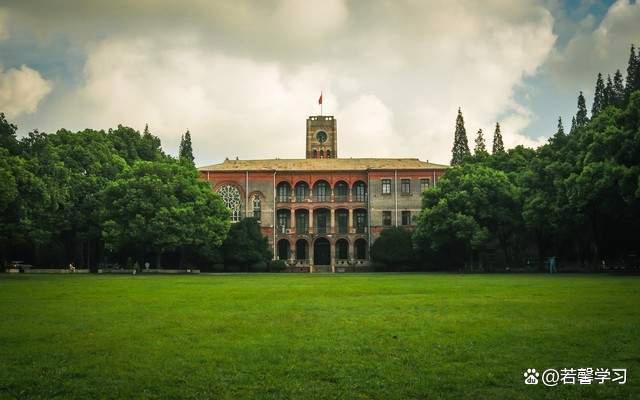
column 8, row 139
column 460, row 144
column 246, row 247
column 608, row 93
column 599, row 101
column 560, row 131
column 618, row 93
column 481, row 148
column 581, row 115
column 186, row 150
column 573, row 125
column 498, row 145
column 160, row 207
column 471, row 206
column 393, row 249
column 633, row 73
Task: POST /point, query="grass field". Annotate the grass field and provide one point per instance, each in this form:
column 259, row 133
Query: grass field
column 369, row 336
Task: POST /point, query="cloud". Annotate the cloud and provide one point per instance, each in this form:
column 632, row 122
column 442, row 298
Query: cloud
column 4, row 24
column 603, row 49
column 21, row 90
column 244, row 76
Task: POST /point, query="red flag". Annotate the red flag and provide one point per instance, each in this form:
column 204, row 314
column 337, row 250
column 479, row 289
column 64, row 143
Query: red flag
column 320, row 99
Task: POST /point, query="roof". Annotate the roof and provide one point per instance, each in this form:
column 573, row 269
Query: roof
column 322, row 164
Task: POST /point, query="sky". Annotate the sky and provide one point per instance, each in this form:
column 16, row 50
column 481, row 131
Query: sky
column 242, row 76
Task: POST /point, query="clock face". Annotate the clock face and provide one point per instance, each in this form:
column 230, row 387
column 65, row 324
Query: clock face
column 321, row 136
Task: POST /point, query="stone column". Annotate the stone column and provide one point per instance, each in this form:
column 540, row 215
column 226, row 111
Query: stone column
column 332, row 216
column 332, row 255
column 311, row 256
column 350, row 221
column 311, row 221
column 292, row 223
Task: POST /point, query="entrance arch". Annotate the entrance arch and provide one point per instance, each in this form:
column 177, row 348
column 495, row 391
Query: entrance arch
column 321, row 252
column 283, row 249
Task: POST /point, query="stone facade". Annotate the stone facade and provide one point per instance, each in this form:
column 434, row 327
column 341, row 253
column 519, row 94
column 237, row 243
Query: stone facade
column 323, row 213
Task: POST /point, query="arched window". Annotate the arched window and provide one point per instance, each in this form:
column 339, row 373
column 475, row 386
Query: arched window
column 257, row 207
column 315, row 154
column 302, row 191
column 328, row 153
column 361, row 249
column 321, row 191
column 284, row 192
column 342, row 249
column 321, row 153
column 231, row 198
column 342, row 191
column 360, row 191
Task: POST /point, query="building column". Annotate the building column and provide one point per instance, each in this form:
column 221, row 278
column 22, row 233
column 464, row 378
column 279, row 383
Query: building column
column 332, row 255
column 311, row 256
column 350, row 221
column 332, row 217
column 311, row 222
column 292, row 223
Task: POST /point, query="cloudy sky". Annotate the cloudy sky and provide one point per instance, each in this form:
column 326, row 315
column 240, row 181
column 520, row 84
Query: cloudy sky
column 243, row 76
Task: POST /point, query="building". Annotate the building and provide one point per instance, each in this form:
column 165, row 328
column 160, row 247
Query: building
column 322, row 213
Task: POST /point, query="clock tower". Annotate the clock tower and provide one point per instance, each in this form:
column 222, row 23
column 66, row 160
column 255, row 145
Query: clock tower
column 322, row 140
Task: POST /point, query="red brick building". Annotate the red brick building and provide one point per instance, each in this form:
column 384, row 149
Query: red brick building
column 322, row 213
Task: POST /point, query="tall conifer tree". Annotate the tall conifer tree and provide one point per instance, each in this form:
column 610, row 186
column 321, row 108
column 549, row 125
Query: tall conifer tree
column 460, row 143
column 633, row 75
column 573, row 125
column 581, row 115
column 560, row 131
column 481, row 147
column 186, row 150
column 598, row 97
column 618, row 90
column 498, row 145
column 608, row 93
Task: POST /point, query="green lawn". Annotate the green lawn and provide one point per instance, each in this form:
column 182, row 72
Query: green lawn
column 365, row 336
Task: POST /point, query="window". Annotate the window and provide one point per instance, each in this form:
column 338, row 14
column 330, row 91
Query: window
column 284, row 191
column 405, row 186
column 342, row 217
column 342, row 249
column 231, row 198
column 361, row 221
column 283, row 220
column 359, row 192
column 257, row 208
column 342, row 191
column 302, row 191
column 322, row 191
column 302, row 221
column 386, row 186
column 386, row 218
column 406, row 218
column 425, row 183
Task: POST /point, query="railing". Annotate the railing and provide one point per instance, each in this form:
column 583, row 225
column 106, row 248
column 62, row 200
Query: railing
column 342, row 197
column 361, row 229
column 321, row 229
column 283, row 199
column 361, row 198
column 300, row 230
column 322, row 197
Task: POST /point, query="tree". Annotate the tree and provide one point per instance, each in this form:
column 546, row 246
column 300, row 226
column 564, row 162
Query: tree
column 8, row 138
column 498, row 145
column 633, row 73
column 159, row 207
column 481, row 148
column 471, row 206
column 608, row 93
column 186, row 150
column 573, row 125
column 618, row 95
column 599, row 101
column 560, row 131
column 245, row 246
column 460, row 144
column 581, row 115
column 393, row 249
